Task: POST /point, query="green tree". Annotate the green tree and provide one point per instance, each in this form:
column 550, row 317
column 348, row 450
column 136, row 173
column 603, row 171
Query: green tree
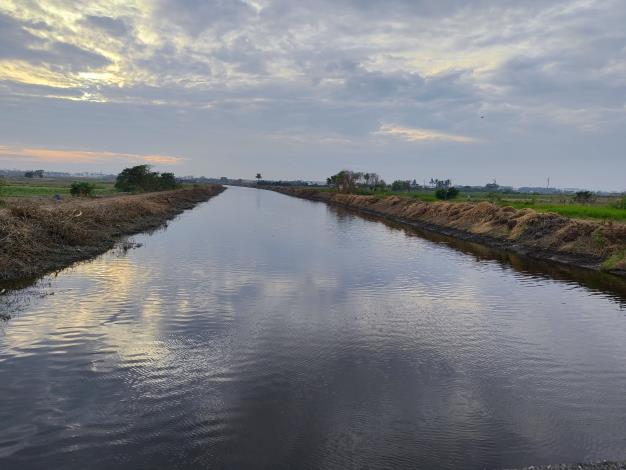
column 400, row 185
column 137, row 178
column 346, row 181
column 449, row 192
column 82, row 188
column 583, row 196
column 168, row 181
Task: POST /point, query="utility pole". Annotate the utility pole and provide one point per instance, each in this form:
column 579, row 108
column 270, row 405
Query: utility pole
column 548, row 185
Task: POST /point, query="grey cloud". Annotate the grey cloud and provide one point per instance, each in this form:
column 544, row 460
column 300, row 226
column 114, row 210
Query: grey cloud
column 229, row 77
column 13, row 87
column 195, row 16
column 113, row 26
column 15, row 41
column 18, row 43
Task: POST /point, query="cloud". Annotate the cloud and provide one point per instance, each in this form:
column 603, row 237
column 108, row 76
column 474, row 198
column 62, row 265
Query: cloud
column 410, row 134
column 19, row 43
column 82, row 156
column 113, row 26
column 309, row 138
column 246, row 76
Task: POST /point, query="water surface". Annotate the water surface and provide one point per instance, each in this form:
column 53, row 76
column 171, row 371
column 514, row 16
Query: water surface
column 264, row 331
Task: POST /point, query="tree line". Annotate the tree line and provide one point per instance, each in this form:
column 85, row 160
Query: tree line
column 348, row 181
column 138, row 178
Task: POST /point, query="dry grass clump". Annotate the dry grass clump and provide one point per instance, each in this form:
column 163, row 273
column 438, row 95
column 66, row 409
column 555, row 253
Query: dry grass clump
column 38, row 236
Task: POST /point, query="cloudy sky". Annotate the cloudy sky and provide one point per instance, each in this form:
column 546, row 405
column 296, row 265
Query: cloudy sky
column 468, row 90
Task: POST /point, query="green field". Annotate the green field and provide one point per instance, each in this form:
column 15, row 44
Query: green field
column 48, row 187
column 576, row 211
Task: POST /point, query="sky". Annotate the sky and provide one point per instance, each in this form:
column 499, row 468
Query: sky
column 411, row 89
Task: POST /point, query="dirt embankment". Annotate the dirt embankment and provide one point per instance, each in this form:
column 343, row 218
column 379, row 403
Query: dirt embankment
column 38, row 237
column 588, row 244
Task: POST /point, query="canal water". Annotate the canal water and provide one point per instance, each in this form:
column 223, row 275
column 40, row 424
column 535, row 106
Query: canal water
column 264, row 331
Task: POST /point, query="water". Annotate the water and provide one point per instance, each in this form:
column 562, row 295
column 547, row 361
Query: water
column 263, row 331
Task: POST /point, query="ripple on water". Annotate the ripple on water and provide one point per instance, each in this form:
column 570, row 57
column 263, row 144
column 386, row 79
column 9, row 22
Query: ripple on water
column 294, row 335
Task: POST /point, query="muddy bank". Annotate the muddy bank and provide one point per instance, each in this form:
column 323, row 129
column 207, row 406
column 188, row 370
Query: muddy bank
column 587, row 244
column 39, row 237
column 581, row 466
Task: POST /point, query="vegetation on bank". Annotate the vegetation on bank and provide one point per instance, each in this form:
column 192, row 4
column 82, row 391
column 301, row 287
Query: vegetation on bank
column 590, row 243
column 48, row 187
column 39, row 236
column 140, row 178
column 579, row 205
column 131, row 180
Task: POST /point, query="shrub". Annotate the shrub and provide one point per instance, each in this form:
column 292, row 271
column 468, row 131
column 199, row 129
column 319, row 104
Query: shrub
column 583, row 196
column 168, row 181
column 446, row 193
column 140, row 178
column 400, row 185
column 82, row 188
column 621, row 204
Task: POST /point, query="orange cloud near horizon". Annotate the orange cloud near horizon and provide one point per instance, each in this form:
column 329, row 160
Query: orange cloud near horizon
column 82, row 156
column 410, row 134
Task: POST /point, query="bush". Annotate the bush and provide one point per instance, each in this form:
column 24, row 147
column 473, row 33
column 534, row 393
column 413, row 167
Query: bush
column 583, row 196
column 446, row 193
column 399, row 185
column 621, row 204
column 140, row 178
column 82, row 188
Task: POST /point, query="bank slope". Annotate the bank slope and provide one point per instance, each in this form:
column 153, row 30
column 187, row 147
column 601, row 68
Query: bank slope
column 38, row 237
column 599, row 245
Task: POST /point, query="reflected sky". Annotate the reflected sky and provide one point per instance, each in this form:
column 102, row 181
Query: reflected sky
column 263, row 330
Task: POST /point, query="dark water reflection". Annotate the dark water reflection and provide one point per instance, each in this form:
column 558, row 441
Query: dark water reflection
column 262, row 331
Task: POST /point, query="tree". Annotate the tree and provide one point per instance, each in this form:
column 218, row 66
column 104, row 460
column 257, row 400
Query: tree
column 446, row 193
column 82, row 188
column 168, row 181
column 140, row 178
column 583, row 196
column 137, row 178
column 34, row 173
column 400, row 185
column 346, row 181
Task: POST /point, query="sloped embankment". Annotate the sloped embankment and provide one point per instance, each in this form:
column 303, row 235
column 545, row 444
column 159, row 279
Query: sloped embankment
column 38, row 237
column 588, row 244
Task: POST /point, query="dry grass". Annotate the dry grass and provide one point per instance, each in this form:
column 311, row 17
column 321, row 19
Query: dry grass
column 36, row 236
column 601, row 240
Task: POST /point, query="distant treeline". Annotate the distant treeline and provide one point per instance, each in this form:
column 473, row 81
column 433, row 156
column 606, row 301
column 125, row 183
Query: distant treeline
column 296, row 183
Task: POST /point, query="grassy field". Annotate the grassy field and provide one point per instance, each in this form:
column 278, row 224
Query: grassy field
column 48, row 187
column 602, row 207
column 576, row 211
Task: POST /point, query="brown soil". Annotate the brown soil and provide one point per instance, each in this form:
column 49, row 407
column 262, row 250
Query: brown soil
column 38, row 237
column 589, row 244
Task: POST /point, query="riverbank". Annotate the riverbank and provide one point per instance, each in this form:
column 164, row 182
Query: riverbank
column 597, row 245
column 581, row 466
column 39, row 237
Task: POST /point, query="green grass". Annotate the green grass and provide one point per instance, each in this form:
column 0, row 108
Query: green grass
column 47, row 188
column 614, row 261
column 575, row 211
